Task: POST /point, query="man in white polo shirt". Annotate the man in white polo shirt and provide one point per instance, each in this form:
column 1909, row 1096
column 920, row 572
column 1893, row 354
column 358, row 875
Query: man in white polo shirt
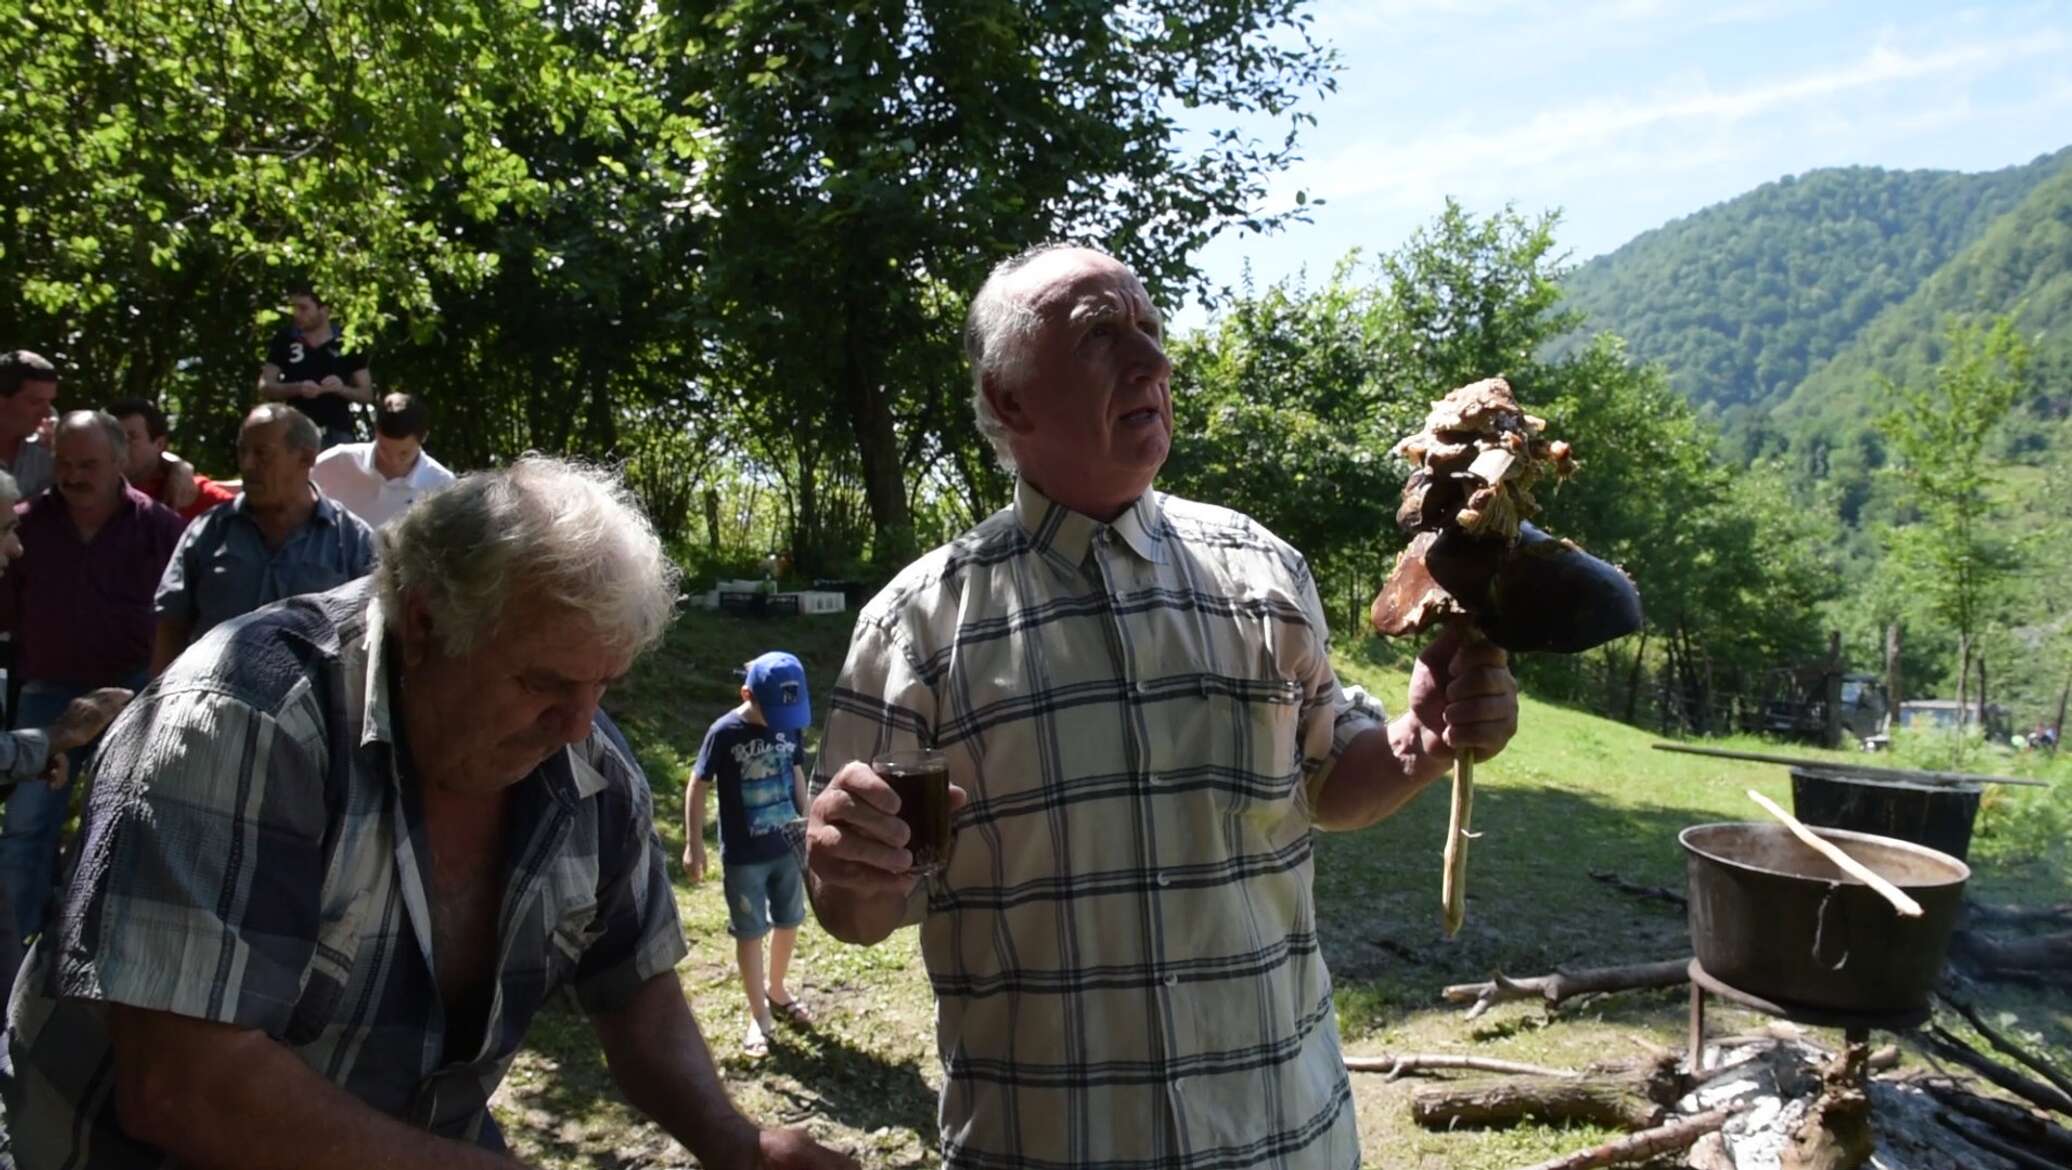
column 377, row 480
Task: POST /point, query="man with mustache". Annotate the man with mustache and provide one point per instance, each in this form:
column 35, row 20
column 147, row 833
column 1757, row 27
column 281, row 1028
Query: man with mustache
column 1135, row 696
column 279, row 537
column 79, row 604
column 38, row 753
column 340, row 854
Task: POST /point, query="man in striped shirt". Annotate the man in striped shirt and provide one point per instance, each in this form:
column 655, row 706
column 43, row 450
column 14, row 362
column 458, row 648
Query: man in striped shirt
column 1135, row 695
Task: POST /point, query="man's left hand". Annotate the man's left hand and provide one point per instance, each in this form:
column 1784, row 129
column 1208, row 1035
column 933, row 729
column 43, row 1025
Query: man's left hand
column 180, row 486
column 57, row 772
column 1462, row 691
column 792, row 1149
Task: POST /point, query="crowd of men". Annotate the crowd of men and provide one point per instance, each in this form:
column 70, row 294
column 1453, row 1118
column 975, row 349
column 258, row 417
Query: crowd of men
column 342, row 848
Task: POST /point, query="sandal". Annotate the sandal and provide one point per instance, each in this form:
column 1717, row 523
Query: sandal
column 794, row 1011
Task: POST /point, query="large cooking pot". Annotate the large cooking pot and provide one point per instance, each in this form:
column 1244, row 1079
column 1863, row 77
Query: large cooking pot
column 1939, row 816
column 1772, row 917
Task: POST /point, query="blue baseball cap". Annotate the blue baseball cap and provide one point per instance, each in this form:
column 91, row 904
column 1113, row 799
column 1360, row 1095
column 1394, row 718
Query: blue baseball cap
column 778, row 683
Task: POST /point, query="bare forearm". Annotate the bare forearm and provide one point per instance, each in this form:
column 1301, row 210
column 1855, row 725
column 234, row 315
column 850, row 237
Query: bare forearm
column 271, row 386
column 1379, row 772
column 360, row 387
column 694, row 813
column 659, row 1060
column 212, row 1096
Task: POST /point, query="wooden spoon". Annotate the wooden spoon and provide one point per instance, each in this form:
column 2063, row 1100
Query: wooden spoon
column 1849, row 865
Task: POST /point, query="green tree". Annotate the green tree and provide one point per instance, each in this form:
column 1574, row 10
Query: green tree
column 1952, row 556
column 170, row 167
column 870, row 154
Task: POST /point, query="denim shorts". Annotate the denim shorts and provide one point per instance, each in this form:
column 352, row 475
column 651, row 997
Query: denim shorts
column 763, row 894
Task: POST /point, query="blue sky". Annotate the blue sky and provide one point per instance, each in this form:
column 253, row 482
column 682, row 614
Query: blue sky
column 1625, row 114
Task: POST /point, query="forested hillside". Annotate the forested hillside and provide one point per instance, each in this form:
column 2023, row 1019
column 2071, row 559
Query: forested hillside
column 1810, row 314
column 2021, row 265
column 1743, row 300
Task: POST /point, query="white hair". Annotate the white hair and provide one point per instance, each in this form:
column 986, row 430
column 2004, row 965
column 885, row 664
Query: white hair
column 544, row 529
column 997, row 332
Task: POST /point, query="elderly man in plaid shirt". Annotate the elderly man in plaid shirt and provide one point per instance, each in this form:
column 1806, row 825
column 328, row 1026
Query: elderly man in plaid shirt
column 342, row 851
column 1135, row 696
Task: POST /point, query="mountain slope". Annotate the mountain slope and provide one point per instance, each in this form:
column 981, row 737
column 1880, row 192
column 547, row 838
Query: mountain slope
column 2022, row 265
column 1743, row 300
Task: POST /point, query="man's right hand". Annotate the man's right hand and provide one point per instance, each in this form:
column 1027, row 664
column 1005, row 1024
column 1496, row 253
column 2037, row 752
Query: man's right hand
column 86, row 717
column 855, row 841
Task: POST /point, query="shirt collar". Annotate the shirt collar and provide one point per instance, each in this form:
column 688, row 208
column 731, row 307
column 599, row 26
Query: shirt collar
column 568, row 773
column 326, row 512
column 1063, row 535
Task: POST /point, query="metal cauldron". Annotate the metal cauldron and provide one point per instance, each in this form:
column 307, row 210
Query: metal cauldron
column 1939, row 816
column 1774, row 918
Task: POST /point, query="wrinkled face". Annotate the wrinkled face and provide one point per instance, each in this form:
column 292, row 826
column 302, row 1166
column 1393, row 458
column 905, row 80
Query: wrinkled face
column 309, row 315
column 144, row 451
column 23, row 413
column 87, row 471
column 521, row 694
column 276, row 473
column 395, row 457
column 10, row 536
column 1093, row 415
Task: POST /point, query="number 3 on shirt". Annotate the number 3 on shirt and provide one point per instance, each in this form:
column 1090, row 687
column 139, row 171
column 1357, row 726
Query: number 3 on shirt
column 295, row 353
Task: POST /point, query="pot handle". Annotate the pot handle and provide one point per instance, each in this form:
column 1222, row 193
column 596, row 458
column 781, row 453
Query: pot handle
column 1822, row 930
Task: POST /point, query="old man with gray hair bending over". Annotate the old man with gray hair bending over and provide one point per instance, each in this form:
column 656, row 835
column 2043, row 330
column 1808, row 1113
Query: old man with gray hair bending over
column 342, row 851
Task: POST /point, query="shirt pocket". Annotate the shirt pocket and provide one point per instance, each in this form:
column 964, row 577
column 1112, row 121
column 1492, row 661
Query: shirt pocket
column 1257, row 721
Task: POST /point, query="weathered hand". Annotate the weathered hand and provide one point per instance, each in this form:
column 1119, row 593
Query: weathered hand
column 1462, row 691
column 86, row 717
column 854, row 837
column 792, row 1149
column 57, row 771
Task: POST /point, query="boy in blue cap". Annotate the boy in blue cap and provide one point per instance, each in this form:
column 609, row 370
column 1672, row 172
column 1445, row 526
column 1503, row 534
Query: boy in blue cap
column 751, row 756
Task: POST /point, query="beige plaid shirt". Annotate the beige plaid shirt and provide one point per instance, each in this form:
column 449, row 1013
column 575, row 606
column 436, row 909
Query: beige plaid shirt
column 1123, row 947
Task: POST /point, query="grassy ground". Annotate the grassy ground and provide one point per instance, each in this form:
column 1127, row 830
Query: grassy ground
column 1573, row 793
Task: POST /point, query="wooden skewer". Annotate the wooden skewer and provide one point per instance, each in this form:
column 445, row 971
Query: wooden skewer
column 1849, row 865
column 1454, row 885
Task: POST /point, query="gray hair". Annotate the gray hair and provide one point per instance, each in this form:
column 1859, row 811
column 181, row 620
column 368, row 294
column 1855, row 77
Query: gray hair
column 997, row 332
column 86, row 420
column 302, row 433
column 542, row 528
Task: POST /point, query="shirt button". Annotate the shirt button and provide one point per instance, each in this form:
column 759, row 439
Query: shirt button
column 1143, row 687
column 1172, row 981
column 1153, row 778
column 1164, row 880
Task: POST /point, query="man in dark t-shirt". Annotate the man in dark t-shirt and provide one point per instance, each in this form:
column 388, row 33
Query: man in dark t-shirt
column 751, row 755
column 307, row 366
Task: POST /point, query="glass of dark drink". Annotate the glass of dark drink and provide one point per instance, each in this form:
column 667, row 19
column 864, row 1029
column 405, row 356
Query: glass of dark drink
column 921, row 779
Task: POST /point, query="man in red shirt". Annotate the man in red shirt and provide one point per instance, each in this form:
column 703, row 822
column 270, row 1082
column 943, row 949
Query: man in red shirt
column 157, row 473
column 79, row 603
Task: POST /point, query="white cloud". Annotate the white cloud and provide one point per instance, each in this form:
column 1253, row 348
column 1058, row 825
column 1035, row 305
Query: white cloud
column 1470, row 155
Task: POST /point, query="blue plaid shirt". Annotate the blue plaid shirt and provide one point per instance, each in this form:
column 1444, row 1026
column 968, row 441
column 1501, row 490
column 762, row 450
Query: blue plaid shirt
column 223, row 569
column 250, row 857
